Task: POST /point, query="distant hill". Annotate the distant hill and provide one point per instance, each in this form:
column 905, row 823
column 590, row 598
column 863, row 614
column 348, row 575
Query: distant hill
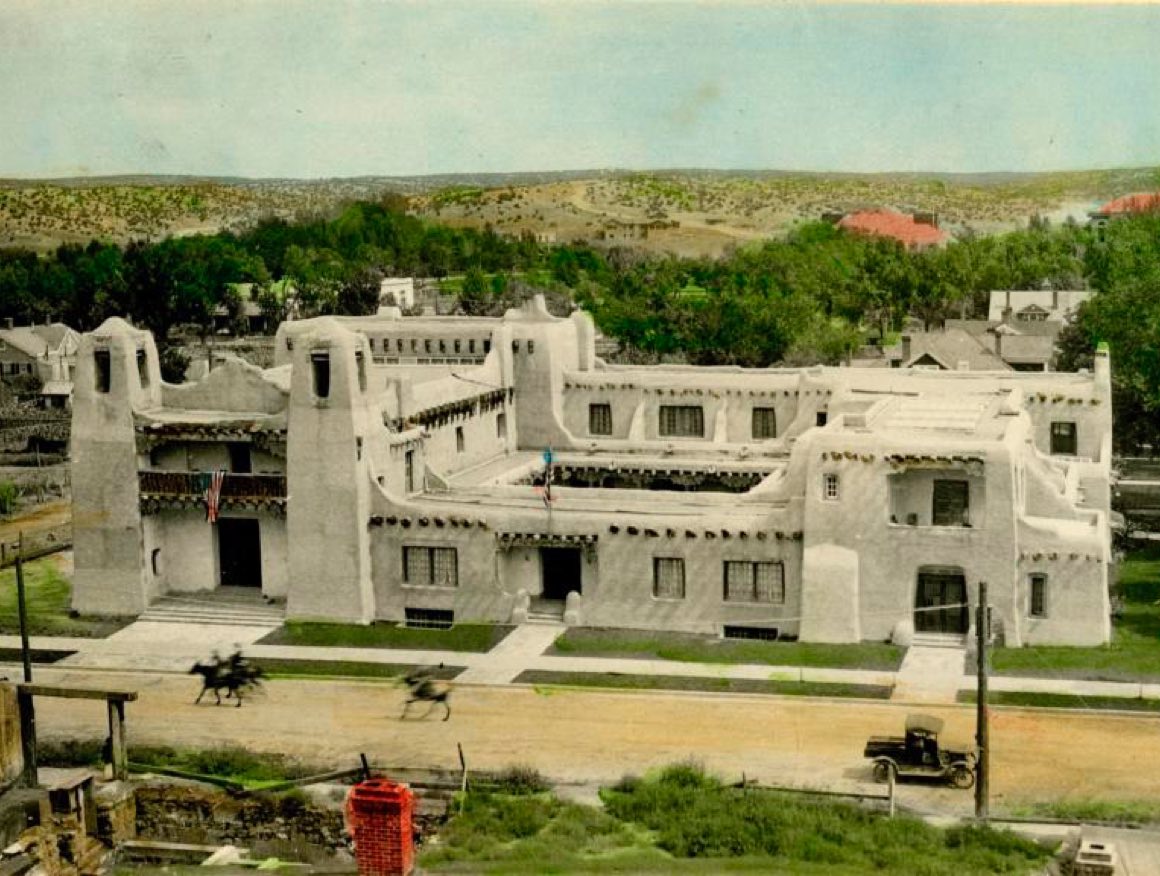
column 688, row 211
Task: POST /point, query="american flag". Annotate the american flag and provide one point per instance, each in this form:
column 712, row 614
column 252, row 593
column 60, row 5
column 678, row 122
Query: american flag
column 546, row 491
column 213, row 495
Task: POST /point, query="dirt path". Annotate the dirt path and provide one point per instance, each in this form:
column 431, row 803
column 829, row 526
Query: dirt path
column 591, row 736
column 43, row 517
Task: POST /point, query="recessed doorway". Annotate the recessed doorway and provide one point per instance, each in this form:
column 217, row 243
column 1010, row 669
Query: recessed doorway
column 560, row 572
column 940, row 603
column 239, row 552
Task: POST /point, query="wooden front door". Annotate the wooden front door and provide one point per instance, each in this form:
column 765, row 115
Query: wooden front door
column 937, row 589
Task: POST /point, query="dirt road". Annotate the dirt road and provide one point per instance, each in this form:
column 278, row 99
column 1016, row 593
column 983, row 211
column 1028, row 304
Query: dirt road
column 591, row 736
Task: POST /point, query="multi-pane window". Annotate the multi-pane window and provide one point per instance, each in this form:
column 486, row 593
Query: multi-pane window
column 1063, row 439
column 668, row 578
column 682, row 421
column 951, row 503
column 831, row 487
column 1038, row 607
column 754, row 582
column 764, row 423
column 430, row 566
column 600, row 419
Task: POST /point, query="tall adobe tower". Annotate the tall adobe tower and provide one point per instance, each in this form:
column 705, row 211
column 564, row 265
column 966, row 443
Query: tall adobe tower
column 328, row 481
column 117, row 373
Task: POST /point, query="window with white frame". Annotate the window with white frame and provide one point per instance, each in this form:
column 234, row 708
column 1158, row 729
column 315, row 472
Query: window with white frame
column 831, row 487
column 600, row 419
column 682, row 421
column 430, row 566
column 762, row 581
column 668, row 578
column 1038, row 601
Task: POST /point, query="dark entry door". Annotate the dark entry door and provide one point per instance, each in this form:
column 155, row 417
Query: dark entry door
column 938, row 589
column 239, row 552
column 560, row 568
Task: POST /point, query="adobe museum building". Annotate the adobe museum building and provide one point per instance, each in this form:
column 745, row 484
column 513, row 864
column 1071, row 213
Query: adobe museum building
column 432, row 470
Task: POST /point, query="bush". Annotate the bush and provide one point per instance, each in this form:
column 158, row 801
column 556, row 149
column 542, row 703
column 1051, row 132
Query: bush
column 9, row 496
column 521, row 779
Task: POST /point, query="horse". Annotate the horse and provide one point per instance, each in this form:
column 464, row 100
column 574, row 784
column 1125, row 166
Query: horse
column 235, row 676
column 211, row 679
column 426, row 689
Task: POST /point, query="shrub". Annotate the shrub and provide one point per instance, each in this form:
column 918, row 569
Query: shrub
column 8, row 497
column 521, row 779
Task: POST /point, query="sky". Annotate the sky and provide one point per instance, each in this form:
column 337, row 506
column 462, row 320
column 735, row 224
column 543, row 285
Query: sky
column 327, row 88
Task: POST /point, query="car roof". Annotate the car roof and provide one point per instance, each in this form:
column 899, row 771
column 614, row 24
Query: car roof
column 925, row 723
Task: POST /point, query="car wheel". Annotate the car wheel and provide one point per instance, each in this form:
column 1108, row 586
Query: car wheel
column 962, row 776
column 882, row 771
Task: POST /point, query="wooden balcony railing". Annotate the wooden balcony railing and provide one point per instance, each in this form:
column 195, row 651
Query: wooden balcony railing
column 189, row 484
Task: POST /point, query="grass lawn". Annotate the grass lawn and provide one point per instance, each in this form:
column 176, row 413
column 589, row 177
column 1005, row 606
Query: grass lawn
column 719, row 685
column 1063, row 701
column 1134, row 653
column 289, row 668
column 682, row 821
column 1113, row 811
column 254, row 770
column 47, row 594
column 691, row 648
column 465, row 637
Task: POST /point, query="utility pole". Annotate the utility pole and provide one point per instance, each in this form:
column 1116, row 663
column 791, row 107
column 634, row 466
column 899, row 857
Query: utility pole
column 22, row 609
column 982, row 766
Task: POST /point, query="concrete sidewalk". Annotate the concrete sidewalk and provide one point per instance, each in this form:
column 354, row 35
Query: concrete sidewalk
column 169, row 647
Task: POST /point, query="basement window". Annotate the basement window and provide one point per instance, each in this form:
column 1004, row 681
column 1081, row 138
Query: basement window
column 429, row 618
column 763, row 634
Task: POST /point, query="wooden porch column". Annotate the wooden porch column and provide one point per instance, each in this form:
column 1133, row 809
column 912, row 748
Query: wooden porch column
column 120, row 750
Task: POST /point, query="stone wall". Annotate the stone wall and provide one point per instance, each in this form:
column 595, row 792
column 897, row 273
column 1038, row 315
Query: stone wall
column 174, row 813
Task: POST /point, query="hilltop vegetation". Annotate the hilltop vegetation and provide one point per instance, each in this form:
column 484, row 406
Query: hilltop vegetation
column 711, row 210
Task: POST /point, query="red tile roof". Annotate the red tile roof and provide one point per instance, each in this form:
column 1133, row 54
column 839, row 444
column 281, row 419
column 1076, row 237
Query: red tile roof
column 1141, row 202
column 887, row 223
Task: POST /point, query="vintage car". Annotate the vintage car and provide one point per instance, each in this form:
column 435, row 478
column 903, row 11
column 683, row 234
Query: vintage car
column 919, row 754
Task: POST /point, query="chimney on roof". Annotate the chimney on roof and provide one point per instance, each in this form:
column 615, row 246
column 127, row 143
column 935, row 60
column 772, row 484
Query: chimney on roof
column 999, row 341
column 1007, row 306
column 1054, row 298
column 905, row 349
